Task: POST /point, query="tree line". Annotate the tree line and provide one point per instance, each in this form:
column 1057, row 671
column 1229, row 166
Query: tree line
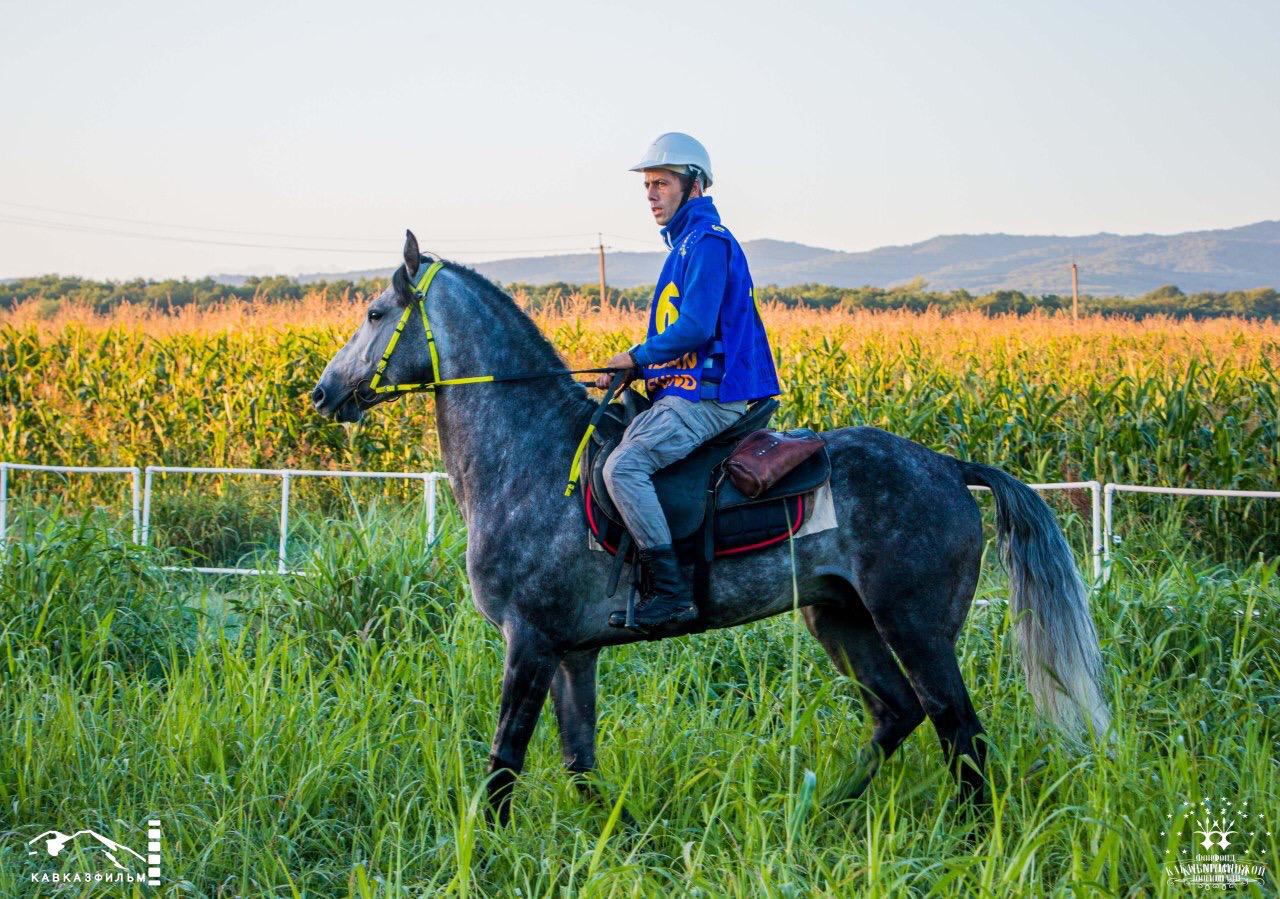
column 51, row 291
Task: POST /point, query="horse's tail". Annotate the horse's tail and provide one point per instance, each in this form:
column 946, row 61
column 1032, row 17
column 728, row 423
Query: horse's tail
column 1059, row 645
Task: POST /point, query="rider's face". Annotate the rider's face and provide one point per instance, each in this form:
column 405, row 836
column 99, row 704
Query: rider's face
column 664, row 190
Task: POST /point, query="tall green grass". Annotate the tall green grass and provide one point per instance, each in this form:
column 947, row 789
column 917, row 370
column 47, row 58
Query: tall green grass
column 327, row 736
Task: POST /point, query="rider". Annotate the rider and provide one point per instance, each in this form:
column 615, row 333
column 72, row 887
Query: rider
column 705, row 357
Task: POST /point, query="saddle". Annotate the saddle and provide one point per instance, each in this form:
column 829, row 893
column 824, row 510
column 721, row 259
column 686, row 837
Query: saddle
column 708, row 516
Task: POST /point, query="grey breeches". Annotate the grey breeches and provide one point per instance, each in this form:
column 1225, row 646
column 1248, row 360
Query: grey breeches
column 668, row 430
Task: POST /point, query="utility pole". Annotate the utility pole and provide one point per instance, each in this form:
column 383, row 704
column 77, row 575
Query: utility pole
column 602, row 287
column 1075, row 288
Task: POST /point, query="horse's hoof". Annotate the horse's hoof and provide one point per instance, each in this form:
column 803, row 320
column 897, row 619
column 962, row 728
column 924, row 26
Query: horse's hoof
column 845, row 793
column 971, row 813
column 501, row 786
column 593, row 794
column 498, row 815
column 628, row 820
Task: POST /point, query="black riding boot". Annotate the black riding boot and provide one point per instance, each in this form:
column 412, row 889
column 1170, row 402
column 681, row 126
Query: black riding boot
column 668, row 601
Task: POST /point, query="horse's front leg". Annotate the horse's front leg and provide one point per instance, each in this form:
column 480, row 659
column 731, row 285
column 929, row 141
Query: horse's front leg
column 573, row 693
column 526, row 676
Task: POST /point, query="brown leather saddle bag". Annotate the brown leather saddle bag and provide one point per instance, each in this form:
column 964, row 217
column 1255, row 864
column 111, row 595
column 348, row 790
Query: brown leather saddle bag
column 762, row 458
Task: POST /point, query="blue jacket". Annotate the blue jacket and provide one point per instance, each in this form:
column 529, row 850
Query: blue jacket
column 703, row 323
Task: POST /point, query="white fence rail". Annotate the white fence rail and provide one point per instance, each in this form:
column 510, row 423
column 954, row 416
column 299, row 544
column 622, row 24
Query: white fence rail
column 1095, row 516
column 143, row 482
column 6, row 467
column 286, row 476
column 1102, row 501
column 1108, row 506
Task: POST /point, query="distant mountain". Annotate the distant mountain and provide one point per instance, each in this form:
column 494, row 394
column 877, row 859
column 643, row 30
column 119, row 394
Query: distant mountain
column 1110, row 264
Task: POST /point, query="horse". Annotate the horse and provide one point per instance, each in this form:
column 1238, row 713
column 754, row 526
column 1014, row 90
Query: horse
column 885, row 592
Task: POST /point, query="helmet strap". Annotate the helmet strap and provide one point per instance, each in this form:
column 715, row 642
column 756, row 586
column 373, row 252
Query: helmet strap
column 690, row 179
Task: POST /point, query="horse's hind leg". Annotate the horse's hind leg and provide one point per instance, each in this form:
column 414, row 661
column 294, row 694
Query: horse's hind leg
column 847, row 633
column 920, row 626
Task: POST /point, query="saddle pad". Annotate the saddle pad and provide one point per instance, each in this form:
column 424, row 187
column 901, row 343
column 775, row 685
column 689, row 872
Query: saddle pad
column 744, row 529
column 819, row 516
column 681, row 487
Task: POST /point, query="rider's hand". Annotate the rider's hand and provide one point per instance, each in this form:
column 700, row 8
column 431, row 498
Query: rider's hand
column 619, row 360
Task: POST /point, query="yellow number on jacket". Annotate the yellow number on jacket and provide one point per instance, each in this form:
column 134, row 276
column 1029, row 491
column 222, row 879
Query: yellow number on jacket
column 667, row 311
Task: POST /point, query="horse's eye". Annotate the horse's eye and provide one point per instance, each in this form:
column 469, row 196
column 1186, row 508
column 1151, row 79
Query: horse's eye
column 374, row 315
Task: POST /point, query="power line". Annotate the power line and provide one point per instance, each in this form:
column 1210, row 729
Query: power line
column 647, row 241
column 284, row 235
column 138, row 235
column 112, row 232
column 154, row 224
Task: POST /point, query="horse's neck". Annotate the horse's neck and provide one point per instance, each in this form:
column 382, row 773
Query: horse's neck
column 487, row 454
column 514, row 433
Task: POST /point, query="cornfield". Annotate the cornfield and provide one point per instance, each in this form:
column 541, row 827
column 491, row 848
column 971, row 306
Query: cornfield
column 1177, row 403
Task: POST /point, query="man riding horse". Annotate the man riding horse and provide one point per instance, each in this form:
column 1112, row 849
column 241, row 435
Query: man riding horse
column 885, row 591
column 705, row 357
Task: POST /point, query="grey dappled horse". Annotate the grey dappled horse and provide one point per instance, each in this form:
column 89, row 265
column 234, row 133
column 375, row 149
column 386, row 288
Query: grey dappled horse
column 895, row 578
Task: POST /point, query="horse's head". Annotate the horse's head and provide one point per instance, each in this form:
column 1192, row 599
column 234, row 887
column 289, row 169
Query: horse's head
column 345, row 389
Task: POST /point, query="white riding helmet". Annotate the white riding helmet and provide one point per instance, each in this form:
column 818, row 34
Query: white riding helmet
column 676, row 150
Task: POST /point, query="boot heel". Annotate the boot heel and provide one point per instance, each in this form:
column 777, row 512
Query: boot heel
column 666, row 597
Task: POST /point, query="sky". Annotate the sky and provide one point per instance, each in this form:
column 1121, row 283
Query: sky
column 323, row 129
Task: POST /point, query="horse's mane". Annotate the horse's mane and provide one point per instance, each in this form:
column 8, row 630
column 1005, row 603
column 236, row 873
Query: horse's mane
column 400, row 279
column 540, row 352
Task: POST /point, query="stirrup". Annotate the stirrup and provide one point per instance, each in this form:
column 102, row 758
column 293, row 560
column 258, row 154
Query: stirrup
column 674, row 623
column 627, row 619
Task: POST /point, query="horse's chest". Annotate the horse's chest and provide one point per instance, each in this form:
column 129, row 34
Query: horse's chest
column 504, row 558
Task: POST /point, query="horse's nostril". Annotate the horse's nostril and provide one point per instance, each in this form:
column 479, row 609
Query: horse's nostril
column 317, row 396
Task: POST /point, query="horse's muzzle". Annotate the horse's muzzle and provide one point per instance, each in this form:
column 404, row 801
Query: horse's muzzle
column 344, row 407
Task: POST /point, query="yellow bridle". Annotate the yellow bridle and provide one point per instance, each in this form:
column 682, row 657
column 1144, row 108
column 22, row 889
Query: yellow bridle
column 419, row 287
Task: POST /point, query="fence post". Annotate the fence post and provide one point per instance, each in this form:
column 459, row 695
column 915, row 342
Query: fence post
column 146, row 505
column 1095, row 501
column 136, row 506
column 4, row 499
column 284, row 520
column 1108, row 535
column 431, row 507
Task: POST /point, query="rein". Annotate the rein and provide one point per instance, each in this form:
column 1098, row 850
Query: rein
column 419, row 287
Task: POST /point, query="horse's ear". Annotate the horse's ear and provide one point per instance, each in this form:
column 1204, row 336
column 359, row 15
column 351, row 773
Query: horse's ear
column 411, row 254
